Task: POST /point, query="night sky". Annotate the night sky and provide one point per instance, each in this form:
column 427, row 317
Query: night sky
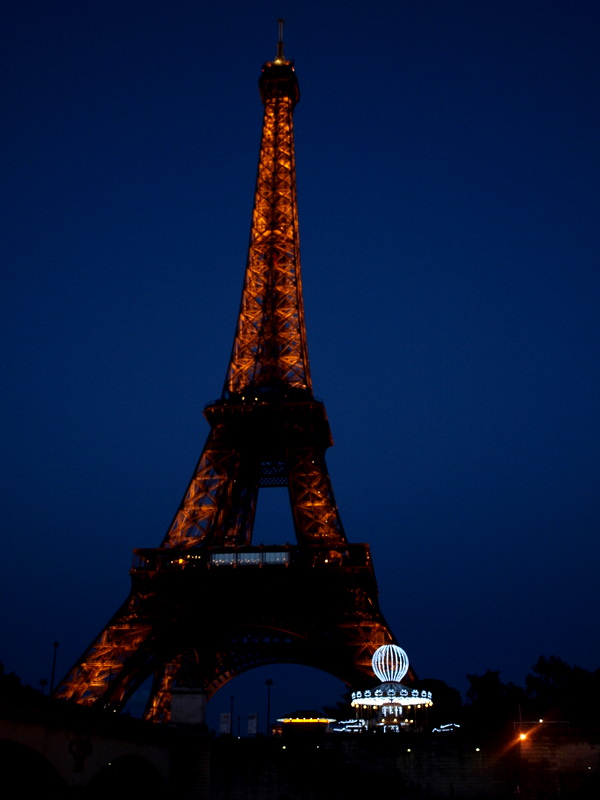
column 449, row 193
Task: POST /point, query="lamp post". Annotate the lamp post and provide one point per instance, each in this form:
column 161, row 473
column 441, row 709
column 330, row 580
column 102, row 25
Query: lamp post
column 268, row 684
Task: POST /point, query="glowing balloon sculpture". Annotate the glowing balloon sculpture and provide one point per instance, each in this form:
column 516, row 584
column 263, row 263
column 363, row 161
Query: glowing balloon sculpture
column 390, row 663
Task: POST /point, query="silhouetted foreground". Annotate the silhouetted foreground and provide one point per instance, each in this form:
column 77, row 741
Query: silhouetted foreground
column 59, row 750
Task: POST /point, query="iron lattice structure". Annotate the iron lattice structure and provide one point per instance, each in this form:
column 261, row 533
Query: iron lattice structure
column 208, row 604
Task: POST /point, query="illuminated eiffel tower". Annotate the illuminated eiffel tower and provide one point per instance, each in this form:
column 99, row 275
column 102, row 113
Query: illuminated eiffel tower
column 208, row 604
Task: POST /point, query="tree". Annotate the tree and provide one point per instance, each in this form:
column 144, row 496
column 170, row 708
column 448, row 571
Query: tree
column 447, row 703
column 558, row 691
column 491, row 704
column 13, row 692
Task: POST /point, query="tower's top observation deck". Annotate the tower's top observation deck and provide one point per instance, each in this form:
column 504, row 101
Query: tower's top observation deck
column 278, row 78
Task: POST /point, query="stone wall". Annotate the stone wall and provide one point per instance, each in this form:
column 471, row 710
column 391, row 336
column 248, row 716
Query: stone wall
column 565, row 765
column 560, row 762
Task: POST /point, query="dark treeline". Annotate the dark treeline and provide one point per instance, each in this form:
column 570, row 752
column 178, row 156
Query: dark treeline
column 14, row 692
column 554, row 692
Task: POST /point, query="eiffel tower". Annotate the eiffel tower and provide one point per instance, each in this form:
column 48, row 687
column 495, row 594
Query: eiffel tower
column 208, row 604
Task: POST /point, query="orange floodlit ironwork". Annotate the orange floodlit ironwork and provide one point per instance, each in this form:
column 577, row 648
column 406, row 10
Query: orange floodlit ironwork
column 269, row 350
column 208, row 604
column 268, row 368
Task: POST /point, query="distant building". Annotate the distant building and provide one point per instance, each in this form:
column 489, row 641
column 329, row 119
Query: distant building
column 304, row 722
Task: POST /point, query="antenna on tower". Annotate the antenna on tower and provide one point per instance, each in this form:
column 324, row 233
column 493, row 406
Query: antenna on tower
column 280, row 56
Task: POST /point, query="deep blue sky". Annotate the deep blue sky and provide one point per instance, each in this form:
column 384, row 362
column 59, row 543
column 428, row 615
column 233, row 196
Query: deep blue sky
column 449, row 192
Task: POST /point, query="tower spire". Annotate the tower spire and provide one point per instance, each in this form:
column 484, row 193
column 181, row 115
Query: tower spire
column 280, row 55
column 269, row 352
